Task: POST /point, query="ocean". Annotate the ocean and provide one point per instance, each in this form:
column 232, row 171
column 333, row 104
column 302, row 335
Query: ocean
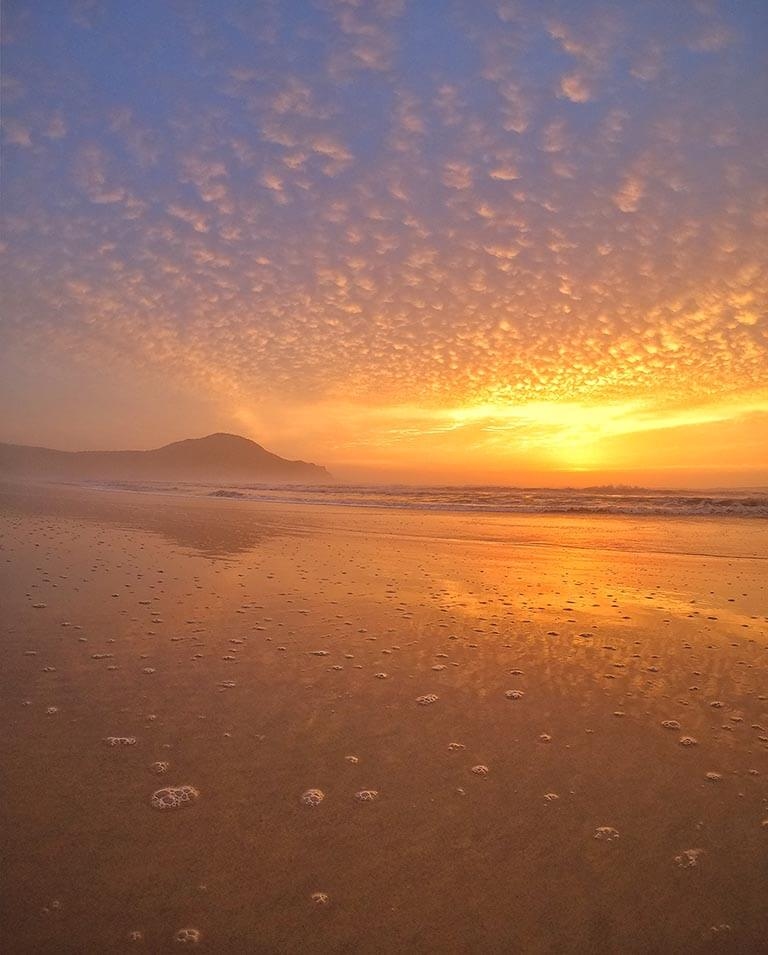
column 609, row 500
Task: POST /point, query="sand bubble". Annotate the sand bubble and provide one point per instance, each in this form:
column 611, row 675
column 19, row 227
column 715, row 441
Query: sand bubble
column 514, row 694
column 313, row 797
column 606, row 833
column 174, row 797
column 367, row 795
column 187, row 936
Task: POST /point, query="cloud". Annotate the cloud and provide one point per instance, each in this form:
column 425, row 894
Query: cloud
column 56, row 128
column 141, row 143
column 92, row 176
column 191, row 216
column 17, row 134
column 367, row 39
column 629, row 194
column 576, row 88
column 505, row 173
column 457, row 175
column 296, row 224
column 711, row 38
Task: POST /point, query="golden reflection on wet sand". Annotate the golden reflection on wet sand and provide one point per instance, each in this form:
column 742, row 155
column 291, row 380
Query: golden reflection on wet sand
column 158, row 643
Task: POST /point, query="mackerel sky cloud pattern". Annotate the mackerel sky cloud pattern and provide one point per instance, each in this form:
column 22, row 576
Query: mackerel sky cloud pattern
column 370, row 230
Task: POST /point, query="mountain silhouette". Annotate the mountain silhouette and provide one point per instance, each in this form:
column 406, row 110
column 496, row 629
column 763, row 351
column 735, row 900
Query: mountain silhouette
column 217, row 457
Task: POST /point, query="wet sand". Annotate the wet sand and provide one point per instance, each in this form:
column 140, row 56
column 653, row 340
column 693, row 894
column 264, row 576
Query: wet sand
column 480, row 702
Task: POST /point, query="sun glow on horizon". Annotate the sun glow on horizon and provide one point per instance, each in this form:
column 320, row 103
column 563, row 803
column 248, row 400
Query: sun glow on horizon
column 541, row 436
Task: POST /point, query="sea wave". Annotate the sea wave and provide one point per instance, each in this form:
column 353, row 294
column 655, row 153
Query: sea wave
column 634, row 502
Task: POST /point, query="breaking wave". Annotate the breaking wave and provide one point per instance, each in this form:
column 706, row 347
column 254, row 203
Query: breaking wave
column 604, row 500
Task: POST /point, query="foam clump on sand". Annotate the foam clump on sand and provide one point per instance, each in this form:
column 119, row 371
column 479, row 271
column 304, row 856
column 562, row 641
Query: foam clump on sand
column 688, row 858
column 120, row 741
column 514, row 694
column 670, row 724
column 313, row 797
column 367, row 795
column 427, row 699
column 688, row 741
column 187, row 936
column 320, row 898
column 606, row 833
column 480, row 770
column 174, row 797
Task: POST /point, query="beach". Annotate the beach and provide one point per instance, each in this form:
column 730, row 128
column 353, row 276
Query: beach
column 527, row 733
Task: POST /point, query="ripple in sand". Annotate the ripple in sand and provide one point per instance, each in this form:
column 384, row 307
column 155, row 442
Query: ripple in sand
column 187, row 936
column 174, row 797
column 367, row 795
column 689, row 858
column 480, row 770
column 688, row 741
column 427, row 699
column 514, row 694
column 313, row 797
column 606, row 833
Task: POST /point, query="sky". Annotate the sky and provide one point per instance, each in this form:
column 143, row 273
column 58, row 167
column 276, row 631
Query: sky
column 509, row 241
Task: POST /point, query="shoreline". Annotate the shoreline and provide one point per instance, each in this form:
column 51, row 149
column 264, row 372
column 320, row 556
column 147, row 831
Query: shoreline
column 499, row 526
